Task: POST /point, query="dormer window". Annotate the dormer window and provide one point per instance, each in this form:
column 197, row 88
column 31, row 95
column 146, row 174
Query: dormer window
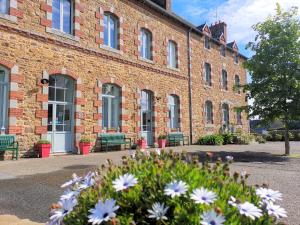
column 223, row 51
column 4, row 6
column 62, row 15
column 206, row 42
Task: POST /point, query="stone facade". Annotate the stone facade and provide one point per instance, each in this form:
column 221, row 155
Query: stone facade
column 31, row 50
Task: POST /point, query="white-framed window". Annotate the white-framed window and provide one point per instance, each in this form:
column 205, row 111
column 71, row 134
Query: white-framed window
column 225, row 114
column 111, row 30
column 239, row 118
column 4, row 86
column 207, row 74
column 173, row 105
column 146, row 43
column 173, row 54
column 4, row 6
column 236, row 59
column 223, row 51
column 111, row 106
column 207, row 42
column 224, row 80
column 209, row 115
column 62, row 15
column 237, row 83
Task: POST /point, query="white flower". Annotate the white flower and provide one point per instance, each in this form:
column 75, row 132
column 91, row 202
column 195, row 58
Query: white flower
column 276, row 210
column 88, row 181
column 203, row 196
column 212, row 218
column 158, row 211
column 249, row 210
column 75, row 180
column 124, row 182
column 132, row 154
column 232, row 201
column 103, row 212
column 229, row 158
column 243, row 174
column 158, row 151
column 176, row 188
column 268, row 195
column 57, row 215
column 69, row 194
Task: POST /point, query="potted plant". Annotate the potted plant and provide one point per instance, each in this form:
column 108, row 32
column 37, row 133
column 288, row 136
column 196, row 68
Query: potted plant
column 44, row 147
column 85, row 146
column 162, row 140
column 142, row 143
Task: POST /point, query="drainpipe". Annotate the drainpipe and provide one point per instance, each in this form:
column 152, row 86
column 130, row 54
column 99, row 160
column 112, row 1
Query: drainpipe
column 190, row 84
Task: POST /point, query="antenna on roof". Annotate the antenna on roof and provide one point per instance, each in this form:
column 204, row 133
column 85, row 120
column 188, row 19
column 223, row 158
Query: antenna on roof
column 217, row 13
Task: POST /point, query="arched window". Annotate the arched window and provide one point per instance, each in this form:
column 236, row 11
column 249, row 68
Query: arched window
column 173, row 104
column 4, row 6
column 111, row 30
column 62, row 15
column 111, row 106
column 146, row 44
column 237, row 83
column 173, row 54
column 225, row 114
column 224, row 80
column 209, row 115
column 3, row 99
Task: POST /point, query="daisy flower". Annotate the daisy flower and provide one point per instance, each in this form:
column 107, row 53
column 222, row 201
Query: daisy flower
column 103, row 212
column 88, row 181
column 124, row 182
column 57, row 215
column 158, row 151
column 232, row 201
column 69, row 194
column 276, row 210
column 176, row 188
column 229, row 158
column 268, row 195
column 158, row 211
column 203, row 196
column 75, row 180
column 212, row 218
column 249, row 210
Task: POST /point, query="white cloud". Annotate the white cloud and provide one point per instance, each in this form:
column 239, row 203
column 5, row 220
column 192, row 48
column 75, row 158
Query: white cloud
column 240, row 15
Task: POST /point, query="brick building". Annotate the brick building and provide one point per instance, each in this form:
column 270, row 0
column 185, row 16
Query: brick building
column 74, row 68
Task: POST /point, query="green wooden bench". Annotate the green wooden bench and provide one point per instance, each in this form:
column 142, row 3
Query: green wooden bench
column 107, row 140
column 8, row 143
column 174, row 139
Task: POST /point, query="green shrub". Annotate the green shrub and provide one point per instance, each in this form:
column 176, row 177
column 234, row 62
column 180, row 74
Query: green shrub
column 296, row 135
column 278, row 137
column 153, row 173
column 40, row 142
column 243, row 139
column 228, row 138
column 260, row 139
column 211, row 140
column 85, row 140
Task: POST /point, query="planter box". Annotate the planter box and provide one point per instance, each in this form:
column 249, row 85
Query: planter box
column 162, row 143
column 142, row 144
column 84, row 148
column 44, row 150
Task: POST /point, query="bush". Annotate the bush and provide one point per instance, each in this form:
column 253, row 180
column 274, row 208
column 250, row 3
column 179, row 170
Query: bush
column 243, row 139
column 40, row 142
column 211, row 140
column 150, row 177
column 260, row 139
column 228, row 138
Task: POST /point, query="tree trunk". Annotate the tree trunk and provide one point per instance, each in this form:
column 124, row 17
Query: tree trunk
column 286, row 138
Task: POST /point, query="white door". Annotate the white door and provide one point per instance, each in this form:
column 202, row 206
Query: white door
column 61, row 114
column 146, row 117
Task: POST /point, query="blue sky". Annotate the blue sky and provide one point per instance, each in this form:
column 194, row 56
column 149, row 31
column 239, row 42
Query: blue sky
column 239, row 15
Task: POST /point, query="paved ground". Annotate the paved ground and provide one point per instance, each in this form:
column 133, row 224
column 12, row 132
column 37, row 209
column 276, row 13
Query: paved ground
column 29, row 186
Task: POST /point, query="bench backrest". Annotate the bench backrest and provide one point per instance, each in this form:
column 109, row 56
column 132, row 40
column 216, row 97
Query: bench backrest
column 6, row 140
column 175, row 135
column 112, row 137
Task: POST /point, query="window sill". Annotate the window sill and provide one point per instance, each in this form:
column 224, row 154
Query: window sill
column 224, row 90
column 208, row 86
column 209, row 125
column 236, row 63
column 9, row 18
column 146, row 60
column 61, row 34
column 174, row 69
column 239, row 126
column 110, row 49
column 207, row 49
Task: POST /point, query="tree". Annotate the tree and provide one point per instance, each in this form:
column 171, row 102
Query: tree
column 275, row 70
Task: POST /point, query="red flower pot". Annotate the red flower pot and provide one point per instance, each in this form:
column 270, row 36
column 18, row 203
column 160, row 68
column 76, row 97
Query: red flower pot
column 142, row 144
column 84, row 148
column 162, row 143
column 44, row 150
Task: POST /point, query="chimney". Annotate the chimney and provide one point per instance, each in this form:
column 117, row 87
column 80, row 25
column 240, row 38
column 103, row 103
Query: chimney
column 218, row 29
column 169, row 5
column 166, row 4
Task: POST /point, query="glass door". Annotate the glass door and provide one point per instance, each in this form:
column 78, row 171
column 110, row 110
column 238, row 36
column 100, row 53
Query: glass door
column 146, row 117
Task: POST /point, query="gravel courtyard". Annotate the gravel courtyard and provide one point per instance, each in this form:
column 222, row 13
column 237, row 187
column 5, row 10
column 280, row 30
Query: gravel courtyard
column 29, row 186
